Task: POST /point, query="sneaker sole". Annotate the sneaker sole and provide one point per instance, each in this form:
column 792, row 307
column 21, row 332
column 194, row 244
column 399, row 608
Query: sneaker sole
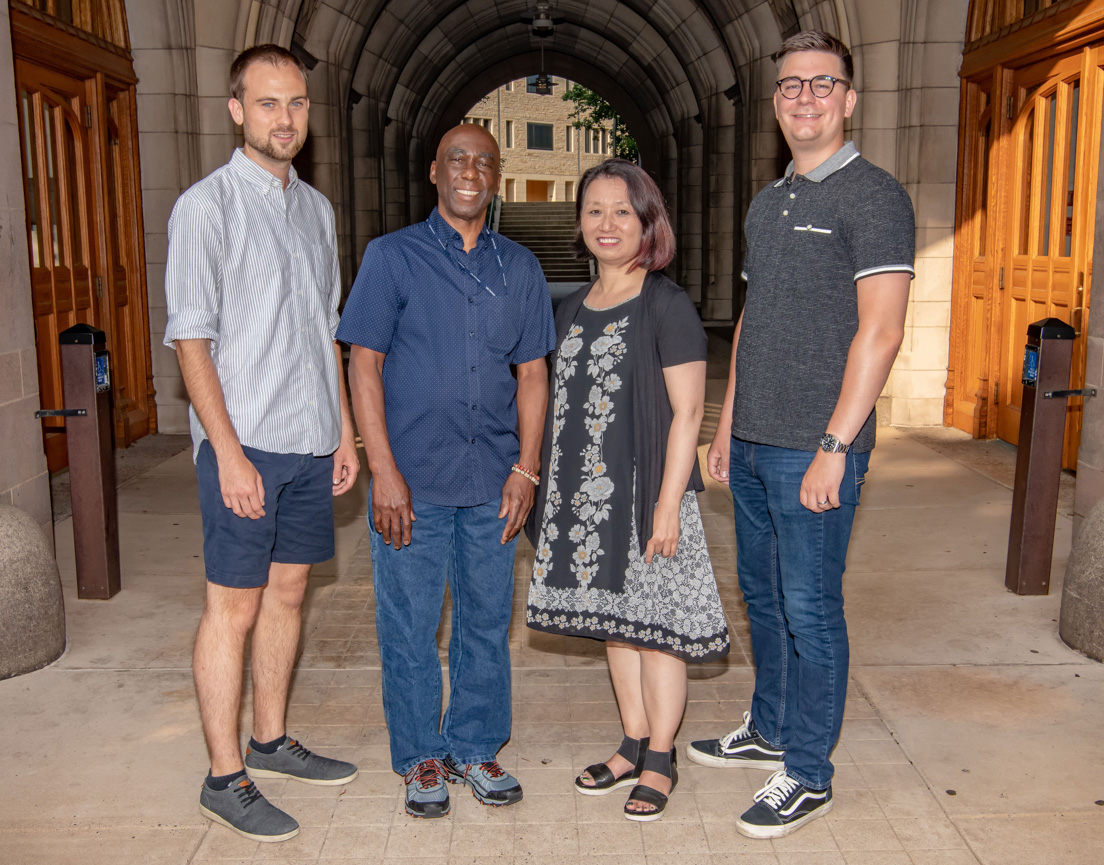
column 733, row 762
column 433, row 806
column 211, row 815
column 749, row 830
column 602, row 791
column 317, row 782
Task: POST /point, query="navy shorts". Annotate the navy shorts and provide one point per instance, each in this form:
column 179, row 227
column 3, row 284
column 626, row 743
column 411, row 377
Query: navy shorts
column 297, row 528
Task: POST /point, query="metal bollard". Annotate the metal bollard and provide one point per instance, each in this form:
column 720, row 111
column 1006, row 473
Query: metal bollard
column 86, row 382
column 1046, row 373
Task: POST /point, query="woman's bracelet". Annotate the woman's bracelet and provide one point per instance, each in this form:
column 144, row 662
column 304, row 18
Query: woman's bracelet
column 525, row 473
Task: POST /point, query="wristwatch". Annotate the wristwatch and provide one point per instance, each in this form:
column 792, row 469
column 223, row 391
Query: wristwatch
column 832, row 445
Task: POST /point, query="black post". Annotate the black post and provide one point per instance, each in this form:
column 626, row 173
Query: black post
column 1046, row 370
column 86, row 383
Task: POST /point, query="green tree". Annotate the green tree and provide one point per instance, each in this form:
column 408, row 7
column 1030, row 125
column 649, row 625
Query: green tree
column 593, row 112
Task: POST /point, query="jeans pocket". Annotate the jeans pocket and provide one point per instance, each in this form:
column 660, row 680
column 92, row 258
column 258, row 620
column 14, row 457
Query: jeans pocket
column 860, row 464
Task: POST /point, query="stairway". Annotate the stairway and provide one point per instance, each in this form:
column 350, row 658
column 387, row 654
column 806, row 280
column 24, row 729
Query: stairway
column 547, row 228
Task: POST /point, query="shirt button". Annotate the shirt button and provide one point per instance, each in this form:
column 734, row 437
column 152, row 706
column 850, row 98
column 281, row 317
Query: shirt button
column 471, row 333
column 473, row 441
column 470, row 300
column 792, row 195
column 473, row 369
column 785, row 213
column 473, row 406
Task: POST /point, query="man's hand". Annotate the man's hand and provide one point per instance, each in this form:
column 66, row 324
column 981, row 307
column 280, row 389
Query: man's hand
column 665, row 535
column 241, row 486
column 518, row 494
column 346, row 466
column 716, row 458
column 392, row 511
column 821, row 484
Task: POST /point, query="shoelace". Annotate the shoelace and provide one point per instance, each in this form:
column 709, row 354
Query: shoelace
column 778, row 789
column 739, row 735
column 428, row 774
column 493, row 770
column 296, row 750
column 247, row 792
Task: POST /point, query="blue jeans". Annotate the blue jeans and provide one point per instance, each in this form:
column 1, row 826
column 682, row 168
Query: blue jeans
column 460, row 545
column 790, row 564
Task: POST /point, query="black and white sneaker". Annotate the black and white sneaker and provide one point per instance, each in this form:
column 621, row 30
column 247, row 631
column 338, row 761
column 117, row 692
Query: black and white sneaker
column 744, row 748
column 782, row 807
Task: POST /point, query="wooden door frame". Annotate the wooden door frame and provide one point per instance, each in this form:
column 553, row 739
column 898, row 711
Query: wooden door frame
column 993, row 61
column 107, row 71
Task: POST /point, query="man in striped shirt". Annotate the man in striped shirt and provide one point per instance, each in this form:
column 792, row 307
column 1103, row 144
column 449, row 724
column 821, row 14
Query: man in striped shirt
column 252, row 285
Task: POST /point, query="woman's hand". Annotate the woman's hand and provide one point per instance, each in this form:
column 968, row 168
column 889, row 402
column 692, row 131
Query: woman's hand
column 665, row 535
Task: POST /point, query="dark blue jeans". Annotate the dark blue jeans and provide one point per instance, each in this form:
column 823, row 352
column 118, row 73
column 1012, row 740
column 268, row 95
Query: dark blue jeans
column 460, row 545
column 790, row 563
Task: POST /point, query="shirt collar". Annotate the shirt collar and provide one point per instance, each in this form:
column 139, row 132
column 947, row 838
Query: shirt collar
column 828, row 167
column 448, row 235
column 259, row 176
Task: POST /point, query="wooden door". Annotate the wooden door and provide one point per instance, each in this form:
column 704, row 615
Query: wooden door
column 61, row 224
column 1052, row 161
column 75, row 86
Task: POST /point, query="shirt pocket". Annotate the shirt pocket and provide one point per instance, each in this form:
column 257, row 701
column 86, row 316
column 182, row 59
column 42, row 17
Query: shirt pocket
column 501, row 322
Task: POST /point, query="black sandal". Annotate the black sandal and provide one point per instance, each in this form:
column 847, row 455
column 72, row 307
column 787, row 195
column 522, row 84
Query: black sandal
column 633, row 750
column 665, row 764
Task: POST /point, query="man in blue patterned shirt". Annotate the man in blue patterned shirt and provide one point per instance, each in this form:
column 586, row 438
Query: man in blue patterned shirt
column 252, row 286
column 439, row 314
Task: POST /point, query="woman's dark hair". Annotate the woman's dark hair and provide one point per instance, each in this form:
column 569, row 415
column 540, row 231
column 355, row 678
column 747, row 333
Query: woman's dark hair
column 657, row 241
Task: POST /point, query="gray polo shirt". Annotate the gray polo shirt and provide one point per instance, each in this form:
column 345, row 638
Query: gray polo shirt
column 809, row 240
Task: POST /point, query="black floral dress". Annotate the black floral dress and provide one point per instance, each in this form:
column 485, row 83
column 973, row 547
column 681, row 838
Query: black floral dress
column 589, row 577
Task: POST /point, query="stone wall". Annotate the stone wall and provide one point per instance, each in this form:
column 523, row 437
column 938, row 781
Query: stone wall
column 23, row 478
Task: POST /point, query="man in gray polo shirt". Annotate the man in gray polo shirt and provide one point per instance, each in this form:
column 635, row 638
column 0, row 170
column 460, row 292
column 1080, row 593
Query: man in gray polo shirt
column 830, row 252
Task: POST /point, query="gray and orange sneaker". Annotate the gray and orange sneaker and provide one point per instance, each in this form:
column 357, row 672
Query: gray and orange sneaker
column 489, row 782
column 426, row 793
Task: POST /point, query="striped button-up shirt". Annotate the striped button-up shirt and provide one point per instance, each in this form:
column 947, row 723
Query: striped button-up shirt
column 252, row 267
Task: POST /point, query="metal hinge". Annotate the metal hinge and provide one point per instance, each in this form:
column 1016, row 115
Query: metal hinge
column 99, row 287
column 88, row 116
column 996, row 393
column 1000, row 280
column 1008, row 105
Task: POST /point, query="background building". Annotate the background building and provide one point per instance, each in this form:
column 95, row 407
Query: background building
column 543, row 153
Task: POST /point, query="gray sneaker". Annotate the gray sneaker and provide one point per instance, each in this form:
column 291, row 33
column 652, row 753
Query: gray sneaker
column 292, row 760
column 489, row 782
column 426, row 793
column 242, row 809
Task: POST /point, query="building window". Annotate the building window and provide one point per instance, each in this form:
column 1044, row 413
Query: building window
column 531, row 84
column 567, row 137
column 569, row 190
column 605, row 141
column 509, row 133
column 586, row 141
column 485, row 122
column 508, row 86
column 539, row 136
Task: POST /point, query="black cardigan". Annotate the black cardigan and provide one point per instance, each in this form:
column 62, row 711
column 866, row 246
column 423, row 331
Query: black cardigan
column 652, row 414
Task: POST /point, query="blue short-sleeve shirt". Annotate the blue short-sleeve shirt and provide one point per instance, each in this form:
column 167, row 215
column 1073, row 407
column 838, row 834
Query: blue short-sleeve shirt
column 451, row 323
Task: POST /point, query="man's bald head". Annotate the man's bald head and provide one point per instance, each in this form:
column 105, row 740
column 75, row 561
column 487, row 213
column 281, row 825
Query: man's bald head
column 466, row 173
column 470, row 137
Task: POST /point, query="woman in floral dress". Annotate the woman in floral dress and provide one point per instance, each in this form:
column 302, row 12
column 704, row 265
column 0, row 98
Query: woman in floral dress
column 620, row 550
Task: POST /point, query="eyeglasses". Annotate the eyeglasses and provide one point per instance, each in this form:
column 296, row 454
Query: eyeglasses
column 820, row 86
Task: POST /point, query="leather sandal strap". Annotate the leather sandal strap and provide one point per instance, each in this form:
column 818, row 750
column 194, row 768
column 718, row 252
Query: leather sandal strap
column 633, row 749
column 647, row 795
column 660, row 762
column 600, row 774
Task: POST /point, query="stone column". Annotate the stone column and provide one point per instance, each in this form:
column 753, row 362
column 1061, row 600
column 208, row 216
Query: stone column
column 32, row 614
